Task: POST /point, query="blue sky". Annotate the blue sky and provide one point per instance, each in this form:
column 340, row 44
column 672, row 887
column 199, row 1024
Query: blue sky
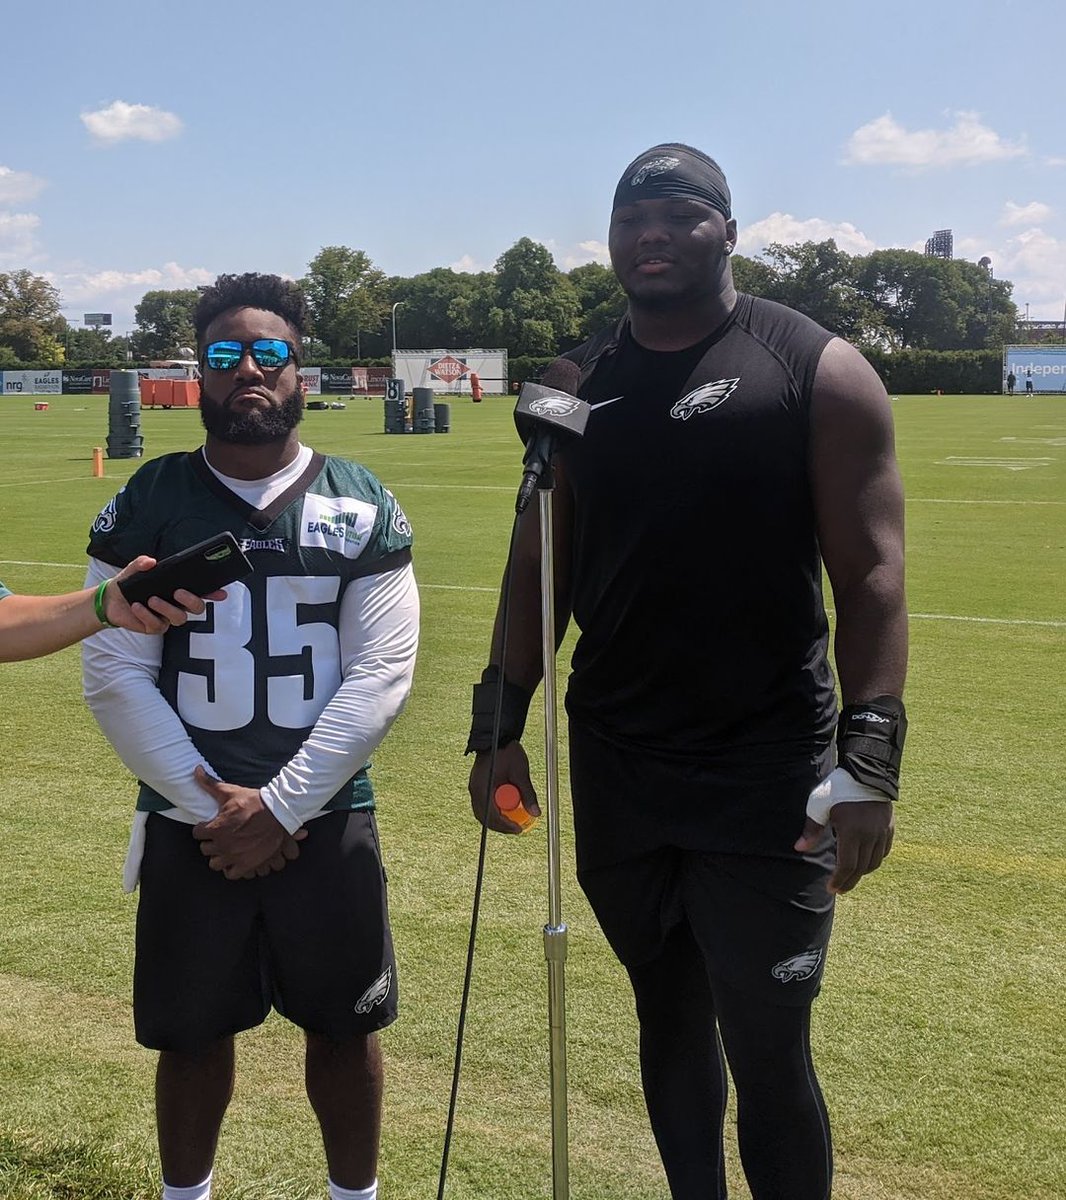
column 149, row 144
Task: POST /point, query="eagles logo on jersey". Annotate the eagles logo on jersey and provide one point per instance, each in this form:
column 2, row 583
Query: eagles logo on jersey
column 399, row 518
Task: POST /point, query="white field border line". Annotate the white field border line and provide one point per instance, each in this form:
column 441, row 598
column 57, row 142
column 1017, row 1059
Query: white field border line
column 458, row 587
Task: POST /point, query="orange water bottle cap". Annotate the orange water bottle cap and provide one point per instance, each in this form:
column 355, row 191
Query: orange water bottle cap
column 509, row 802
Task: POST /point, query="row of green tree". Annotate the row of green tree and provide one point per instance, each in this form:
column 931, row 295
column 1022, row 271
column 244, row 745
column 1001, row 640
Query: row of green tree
column 887, row 301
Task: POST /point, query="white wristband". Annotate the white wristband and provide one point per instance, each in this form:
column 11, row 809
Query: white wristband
column 839, row 787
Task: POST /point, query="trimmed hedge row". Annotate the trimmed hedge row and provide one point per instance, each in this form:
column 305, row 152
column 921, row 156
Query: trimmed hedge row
column 904, row 372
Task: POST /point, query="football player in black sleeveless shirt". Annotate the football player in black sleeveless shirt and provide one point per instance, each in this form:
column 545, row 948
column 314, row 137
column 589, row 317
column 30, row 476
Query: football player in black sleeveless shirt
column 734, row 448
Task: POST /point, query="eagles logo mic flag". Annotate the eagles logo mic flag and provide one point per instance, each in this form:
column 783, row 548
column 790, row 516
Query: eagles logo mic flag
column 546, row 414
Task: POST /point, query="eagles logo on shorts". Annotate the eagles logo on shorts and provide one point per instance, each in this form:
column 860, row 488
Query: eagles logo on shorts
column 799, row 966
column 375, row 993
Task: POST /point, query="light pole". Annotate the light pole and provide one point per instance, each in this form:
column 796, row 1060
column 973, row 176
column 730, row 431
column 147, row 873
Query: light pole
column 394, row 308
column 986, row 262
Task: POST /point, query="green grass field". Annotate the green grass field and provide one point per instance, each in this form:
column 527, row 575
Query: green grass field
column 939, row 1035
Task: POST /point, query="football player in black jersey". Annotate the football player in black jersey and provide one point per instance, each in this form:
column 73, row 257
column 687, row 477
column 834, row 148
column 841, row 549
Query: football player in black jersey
column 250, row 731
column 720, row 801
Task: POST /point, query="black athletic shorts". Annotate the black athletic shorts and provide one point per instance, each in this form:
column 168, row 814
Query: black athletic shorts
column 313, row 940
column 662, row 843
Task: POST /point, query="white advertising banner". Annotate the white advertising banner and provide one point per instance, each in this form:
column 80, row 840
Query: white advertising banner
column 311, row 380
column 33, row 383
column 449, row 371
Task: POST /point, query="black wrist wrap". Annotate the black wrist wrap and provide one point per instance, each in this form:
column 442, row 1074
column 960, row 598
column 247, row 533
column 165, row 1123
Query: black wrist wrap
column 870, row 742
column 513, row 711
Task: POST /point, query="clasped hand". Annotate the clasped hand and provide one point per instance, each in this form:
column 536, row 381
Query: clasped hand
column 245, row 839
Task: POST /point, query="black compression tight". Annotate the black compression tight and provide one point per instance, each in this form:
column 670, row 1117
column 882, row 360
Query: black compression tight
column 782, row 1126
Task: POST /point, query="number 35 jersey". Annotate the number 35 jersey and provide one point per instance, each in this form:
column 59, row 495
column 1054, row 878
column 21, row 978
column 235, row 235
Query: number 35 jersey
column 251, row 676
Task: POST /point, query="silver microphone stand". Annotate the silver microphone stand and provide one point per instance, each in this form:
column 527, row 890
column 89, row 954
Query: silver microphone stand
column 555, row 930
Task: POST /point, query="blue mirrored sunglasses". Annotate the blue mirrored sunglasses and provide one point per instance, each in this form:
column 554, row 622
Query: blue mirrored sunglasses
column 269, row 353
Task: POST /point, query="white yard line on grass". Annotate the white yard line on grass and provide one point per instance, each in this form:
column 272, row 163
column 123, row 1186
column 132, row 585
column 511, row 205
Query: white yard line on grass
column 935, row 500
column 986, row 620
column 458, row 587
column 495, row 487
column 61, row 479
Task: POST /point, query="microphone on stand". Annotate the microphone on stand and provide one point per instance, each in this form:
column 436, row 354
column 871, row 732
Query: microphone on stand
column 547, row 413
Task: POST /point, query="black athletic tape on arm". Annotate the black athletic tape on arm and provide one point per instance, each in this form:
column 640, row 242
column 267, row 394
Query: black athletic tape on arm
column 870, row 740
column 513, row 712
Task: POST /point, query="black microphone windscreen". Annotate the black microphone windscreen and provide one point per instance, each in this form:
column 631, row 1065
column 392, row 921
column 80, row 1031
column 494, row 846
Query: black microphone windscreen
column 562, row 375
column 552, row 403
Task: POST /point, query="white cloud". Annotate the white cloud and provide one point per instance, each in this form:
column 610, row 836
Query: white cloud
column 1025, row 214
column 1054, row 161
column 582, row 253
column 18, row 243
column 1036, row 262
column 120, row 122
column 119, row 292
column 467, row 265
column 967, row 143
column 787, row 229
column 16, row 187
column 78, row 286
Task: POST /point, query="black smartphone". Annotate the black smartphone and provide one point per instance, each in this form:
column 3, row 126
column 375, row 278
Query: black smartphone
column 200, row 569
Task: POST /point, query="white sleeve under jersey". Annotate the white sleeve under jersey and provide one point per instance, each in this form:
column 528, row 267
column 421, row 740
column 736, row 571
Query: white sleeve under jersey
column 378, row 635
column 119, row 674
column 379, row 618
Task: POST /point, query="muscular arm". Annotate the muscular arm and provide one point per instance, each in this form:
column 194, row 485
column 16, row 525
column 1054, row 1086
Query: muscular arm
column 858, row 502
column 523, row 664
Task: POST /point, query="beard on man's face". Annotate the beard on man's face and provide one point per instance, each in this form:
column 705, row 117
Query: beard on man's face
column 252, row 427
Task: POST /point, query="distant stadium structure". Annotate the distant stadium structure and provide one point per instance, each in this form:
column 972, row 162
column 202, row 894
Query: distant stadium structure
column 940, row 245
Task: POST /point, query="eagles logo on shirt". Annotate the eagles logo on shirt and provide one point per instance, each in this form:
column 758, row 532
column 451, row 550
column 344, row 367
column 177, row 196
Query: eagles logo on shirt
column 704, row 398
column 105, row 522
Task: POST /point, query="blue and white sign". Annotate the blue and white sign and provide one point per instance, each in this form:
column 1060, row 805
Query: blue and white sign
column 1042, row 367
